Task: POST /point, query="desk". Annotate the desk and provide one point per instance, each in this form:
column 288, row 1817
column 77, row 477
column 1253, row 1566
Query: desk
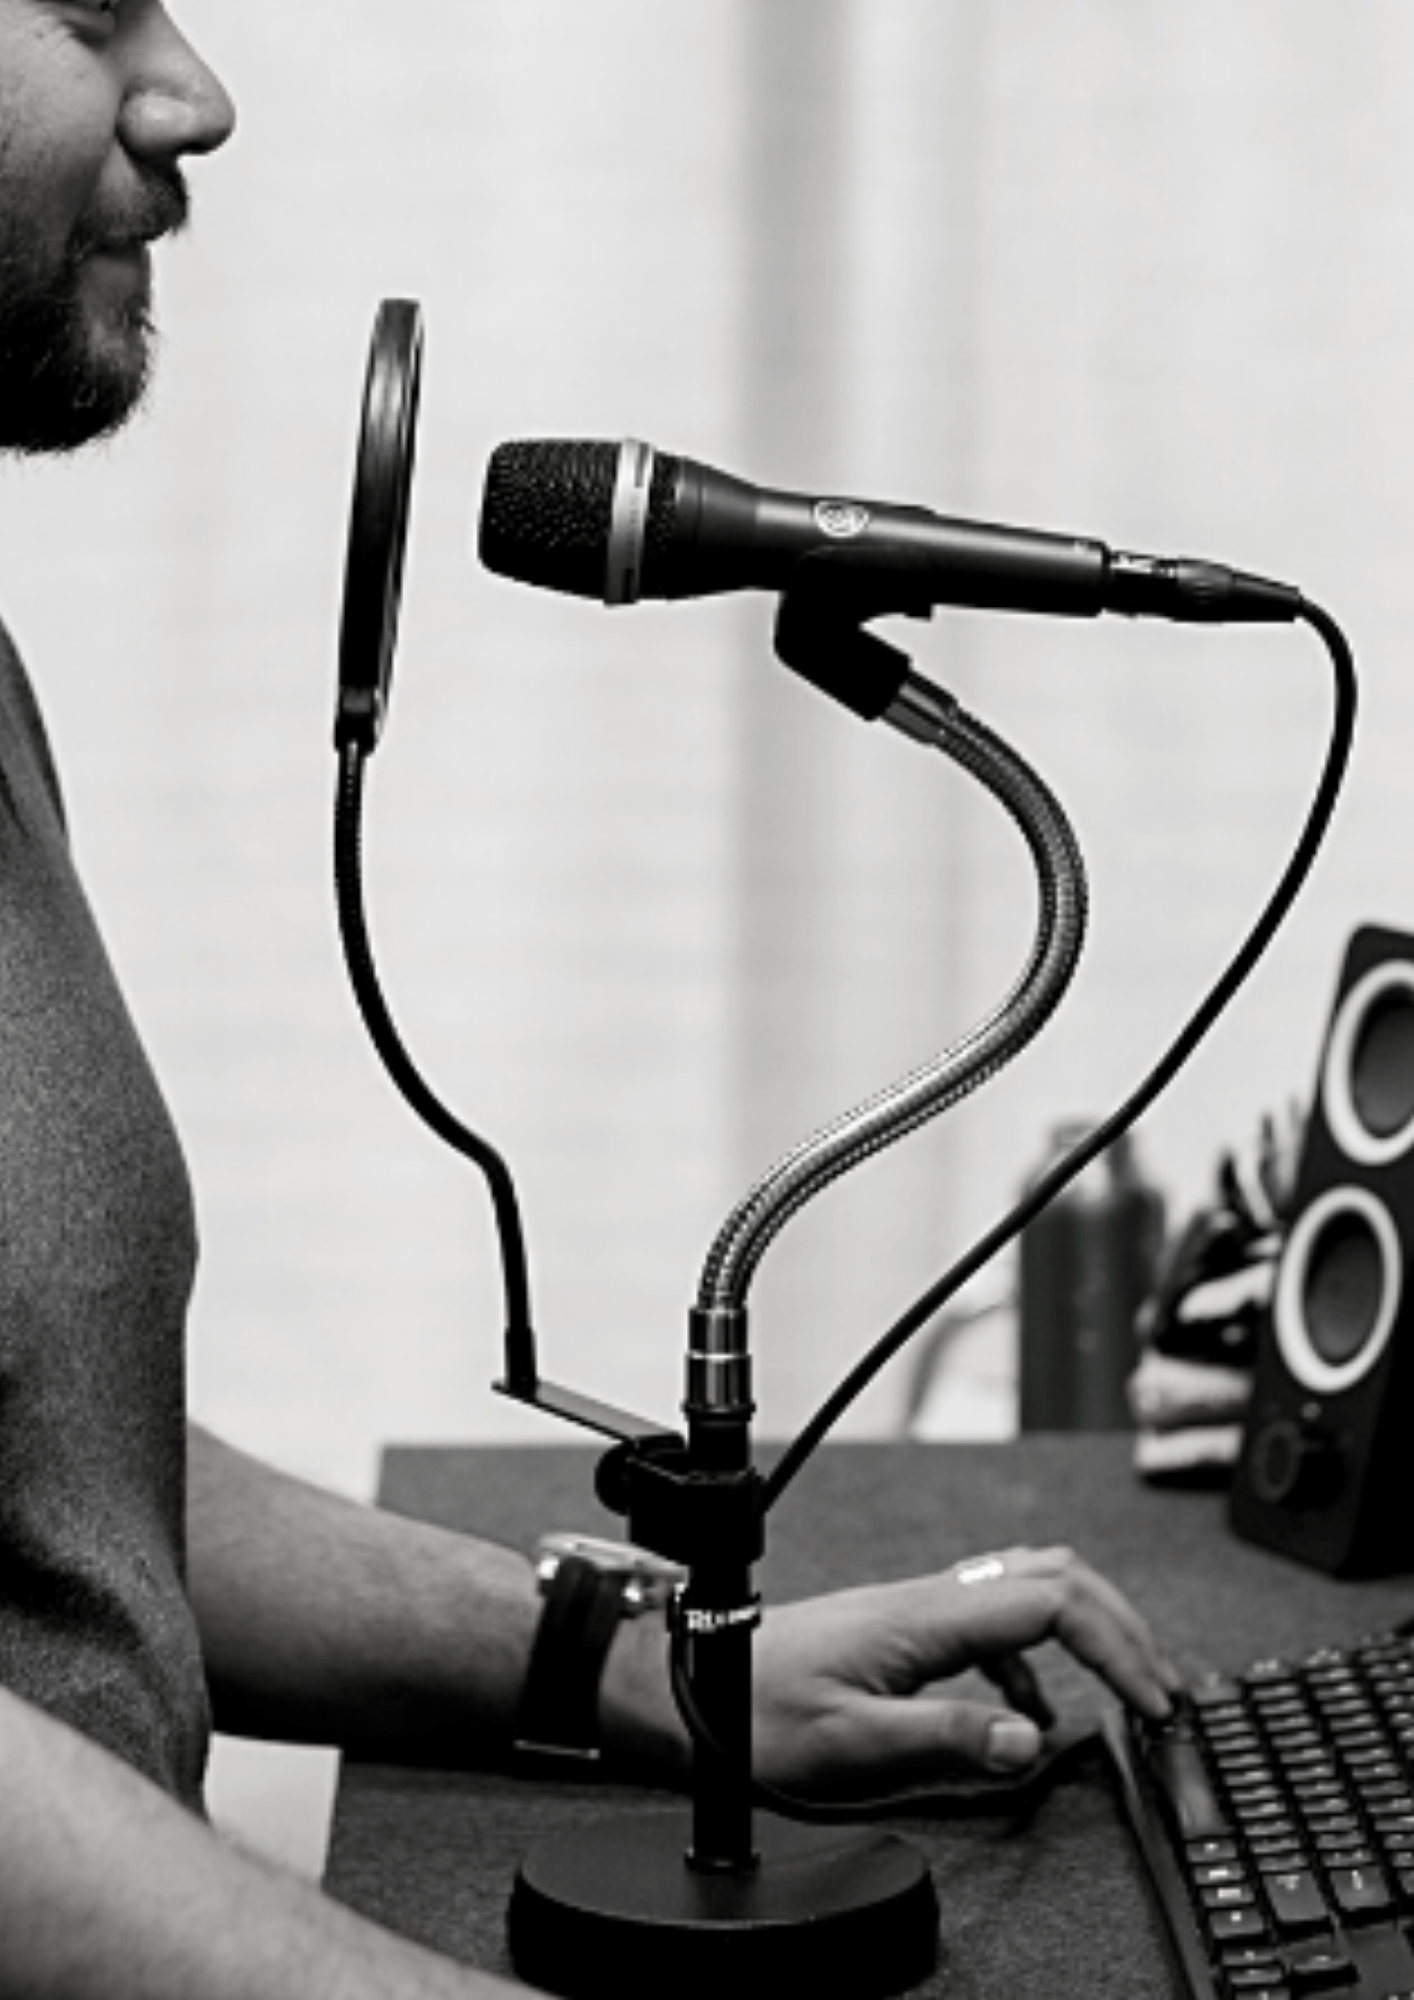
column 1053, row 1906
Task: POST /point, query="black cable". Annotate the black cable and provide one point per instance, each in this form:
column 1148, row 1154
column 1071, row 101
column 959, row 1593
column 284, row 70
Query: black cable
column 358, row 954
column 1160, row 1076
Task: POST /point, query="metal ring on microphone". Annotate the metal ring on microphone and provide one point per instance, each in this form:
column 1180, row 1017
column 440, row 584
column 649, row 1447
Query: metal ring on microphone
column 628, row 523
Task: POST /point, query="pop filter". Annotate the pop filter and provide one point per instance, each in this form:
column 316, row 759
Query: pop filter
column 373, row 575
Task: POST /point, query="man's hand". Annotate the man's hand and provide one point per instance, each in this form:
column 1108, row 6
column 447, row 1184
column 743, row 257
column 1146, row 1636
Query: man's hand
column 841, row 1707
column 840, row 1710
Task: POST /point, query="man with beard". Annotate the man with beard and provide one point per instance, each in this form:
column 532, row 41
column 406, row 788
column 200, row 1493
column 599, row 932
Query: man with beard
column 150, row 1577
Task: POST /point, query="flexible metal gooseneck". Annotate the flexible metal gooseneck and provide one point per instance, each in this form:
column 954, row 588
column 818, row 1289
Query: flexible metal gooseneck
column 933, row 718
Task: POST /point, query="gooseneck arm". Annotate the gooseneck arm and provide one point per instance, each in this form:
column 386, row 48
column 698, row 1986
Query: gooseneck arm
column 934, row 718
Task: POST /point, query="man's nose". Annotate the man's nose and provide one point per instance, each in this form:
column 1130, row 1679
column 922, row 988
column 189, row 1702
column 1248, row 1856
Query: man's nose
column 175, row 105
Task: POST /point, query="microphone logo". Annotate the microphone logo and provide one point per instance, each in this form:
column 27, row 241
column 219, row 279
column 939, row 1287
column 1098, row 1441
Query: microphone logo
column 841, row 520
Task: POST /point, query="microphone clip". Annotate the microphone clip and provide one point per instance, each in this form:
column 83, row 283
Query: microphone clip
column 832, row 595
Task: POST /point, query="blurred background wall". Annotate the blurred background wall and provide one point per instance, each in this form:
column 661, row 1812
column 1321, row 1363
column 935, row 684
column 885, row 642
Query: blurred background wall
column 648, row 910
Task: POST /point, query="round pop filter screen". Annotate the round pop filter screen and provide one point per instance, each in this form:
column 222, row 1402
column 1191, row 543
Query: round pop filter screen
column 378, row 521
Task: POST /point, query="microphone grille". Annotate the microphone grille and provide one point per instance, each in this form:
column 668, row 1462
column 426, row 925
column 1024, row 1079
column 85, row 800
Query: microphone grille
column 547, row 512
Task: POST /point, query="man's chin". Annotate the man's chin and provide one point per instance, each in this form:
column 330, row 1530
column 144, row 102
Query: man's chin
column 82, row 386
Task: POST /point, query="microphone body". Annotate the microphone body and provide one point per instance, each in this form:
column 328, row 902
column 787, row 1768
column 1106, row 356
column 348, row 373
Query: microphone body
column 722, row 534
column 625, row 522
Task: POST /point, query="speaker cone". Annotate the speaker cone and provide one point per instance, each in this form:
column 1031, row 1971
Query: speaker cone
column 1338, row 1289
column 1368, row 1085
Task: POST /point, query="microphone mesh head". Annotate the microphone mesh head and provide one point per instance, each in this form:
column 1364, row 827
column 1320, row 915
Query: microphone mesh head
column 547, row 512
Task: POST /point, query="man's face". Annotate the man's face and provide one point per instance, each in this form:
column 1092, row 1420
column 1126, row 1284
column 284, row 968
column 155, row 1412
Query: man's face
column 99, row 102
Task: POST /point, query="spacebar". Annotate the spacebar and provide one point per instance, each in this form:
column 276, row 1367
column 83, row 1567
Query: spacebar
column 1183, row 1785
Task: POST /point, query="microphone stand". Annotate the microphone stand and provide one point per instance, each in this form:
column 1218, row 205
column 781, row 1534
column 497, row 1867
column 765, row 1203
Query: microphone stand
column 655, row 1903
column 652, row 1904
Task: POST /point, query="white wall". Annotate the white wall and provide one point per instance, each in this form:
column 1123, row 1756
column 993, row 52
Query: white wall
column 648, row 910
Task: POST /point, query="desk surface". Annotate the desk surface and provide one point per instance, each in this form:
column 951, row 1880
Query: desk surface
column 433, row 1854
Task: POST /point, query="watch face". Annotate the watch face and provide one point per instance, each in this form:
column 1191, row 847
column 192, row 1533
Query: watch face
column 648, row 1580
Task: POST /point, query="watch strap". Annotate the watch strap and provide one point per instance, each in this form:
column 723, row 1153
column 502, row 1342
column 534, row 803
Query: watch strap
column 558, row 1715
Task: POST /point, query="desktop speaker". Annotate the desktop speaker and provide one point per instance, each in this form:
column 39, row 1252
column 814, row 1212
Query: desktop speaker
column 1326, row 1471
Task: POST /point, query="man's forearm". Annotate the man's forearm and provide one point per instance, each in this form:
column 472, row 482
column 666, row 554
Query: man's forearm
column 325, row 1621
column 111, row 1891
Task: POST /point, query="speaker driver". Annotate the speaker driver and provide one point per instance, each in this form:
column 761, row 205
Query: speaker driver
column 1338, row 1290
column 1368, row 1086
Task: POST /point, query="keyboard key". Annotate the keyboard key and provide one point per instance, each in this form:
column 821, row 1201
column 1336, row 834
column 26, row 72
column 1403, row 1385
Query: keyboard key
column 1214, row 1691
column 1235, row 1764
column 1215, row 1873
column 1360, row 1743
column 1296, row 1902
column 1211, row 1850
column 1261, row 1802
column 1310, row 1757
column 1347, row 1854
column 1284, row 1861
column 1365, row 1752
column 1247, row 1957
column 1319, row 1965
column 1231, row 1737
column 1263, row 1673
column 1225, row 1926
column 1381, row 1646
column 1217, row 1722
column 1186, row 1791
column 1322, row 1793
column 1361, row 1892
column 1228, row 1896
column 1392, row 1787
column 1289, row 1736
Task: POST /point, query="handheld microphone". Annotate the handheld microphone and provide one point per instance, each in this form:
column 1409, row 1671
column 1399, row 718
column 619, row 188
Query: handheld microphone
column 621, row 522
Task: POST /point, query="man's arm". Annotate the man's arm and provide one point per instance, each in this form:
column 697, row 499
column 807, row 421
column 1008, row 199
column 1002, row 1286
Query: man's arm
column 324, row 1621
column 329, row 1622
column 111, row 1891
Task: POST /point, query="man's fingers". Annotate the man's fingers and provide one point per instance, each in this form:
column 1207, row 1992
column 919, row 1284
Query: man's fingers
column 900, row 1745
column 1026, row 1595
column 1017, row 1679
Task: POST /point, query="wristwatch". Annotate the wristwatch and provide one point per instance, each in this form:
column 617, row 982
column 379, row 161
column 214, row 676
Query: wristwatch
column 587, row 1586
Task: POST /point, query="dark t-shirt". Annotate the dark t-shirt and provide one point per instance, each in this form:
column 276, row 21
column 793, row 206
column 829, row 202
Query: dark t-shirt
column 97, row 1255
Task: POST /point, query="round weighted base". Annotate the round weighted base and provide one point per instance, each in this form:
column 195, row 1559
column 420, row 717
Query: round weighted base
column 615, row 1908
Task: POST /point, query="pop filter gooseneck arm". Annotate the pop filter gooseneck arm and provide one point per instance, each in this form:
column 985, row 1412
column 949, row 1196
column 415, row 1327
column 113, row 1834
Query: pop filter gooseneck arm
column 368, row 643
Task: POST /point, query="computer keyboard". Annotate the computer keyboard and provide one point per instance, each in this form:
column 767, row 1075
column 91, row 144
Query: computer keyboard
column 1275, row 1813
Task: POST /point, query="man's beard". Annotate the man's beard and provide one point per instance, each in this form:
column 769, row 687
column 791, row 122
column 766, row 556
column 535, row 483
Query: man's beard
column 72, row 371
